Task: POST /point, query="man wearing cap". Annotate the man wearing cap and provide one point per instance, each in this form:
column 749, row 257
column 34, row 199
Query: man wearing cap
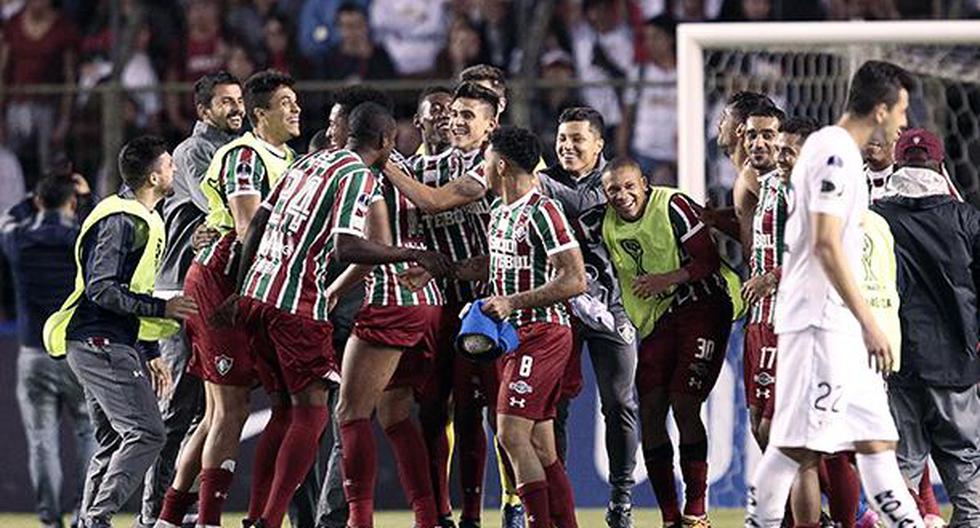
column 934, row 396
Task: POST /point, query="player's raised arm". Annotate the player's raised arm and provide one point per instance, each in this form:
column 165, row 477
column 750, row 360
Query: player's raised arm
column 432, row 200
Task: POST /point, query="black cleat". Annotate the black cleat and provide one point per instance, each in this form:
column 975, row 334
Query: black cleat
column 619, row 516
column 512, row 517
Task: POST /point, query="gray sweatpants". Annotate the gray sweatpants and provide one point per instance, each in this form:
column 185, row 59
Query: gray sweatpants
column 943, row 422
column 181, row 411
column 128, row 428
column 614, row 362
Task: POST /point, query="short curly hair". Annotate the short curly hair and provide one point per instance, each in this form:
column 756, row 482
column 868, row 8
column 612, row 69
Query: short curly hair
column 350, row 97
column 518, row 145
column 259, row 89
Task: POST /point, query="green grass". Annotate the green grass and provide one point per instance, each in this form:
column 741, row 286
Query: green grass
column 591, row 518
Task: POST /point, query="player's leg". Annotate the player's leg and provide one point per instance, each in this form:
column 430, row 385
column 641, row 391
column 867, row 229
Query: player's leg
column 411, row 457
column 434, row 413
column 560, row 499
column 469, row 400
column 367, row 369
column 514, row 434
column 220, row 451
column 180, row 496
column 264, row 461
column 844, row 494
column 805, row 496
column 884, row 484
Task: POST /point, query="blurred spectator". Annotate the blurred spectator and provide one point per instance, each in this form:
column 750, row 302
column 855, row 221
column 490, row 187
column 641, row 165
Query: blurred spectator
column 11, row 177
column 40, row 46
column 200, row 50
column 355, row 56
column 860, row 9
column 277, row 38
column 246, row 19
column 747, row 10
column 499, row 32
column 682, row 10
column 651, row 118
column 9, row 8
column 412, row 31
column 318, row 26
column 549, row 103
column 38, row 239
column 464, row 48
column 241, row 62
column 602, row 46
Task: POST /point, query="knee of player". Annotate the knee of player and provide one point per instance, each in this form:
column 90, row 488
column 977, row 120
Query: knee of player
column 512, row 438
column 227, row 417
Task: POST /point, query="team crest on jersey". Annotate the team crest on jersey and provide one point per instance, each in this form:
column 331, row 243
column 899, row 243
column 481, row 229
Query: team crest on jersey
column 520, row 232
column 521, row 387
column 223, row 363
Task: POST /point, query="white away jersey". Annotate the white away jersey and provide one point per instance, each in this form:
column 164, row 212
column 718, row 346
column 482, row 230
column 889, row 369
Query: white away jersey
column 828, row 178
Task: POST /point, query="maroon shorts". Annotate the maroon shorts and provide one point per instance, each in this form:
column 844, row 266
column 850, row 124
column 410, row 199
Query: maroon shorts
column 686, row 350
column 760, row 367
column 414, row 329
column 476, row 383
column 223, row 356
column 298, row 351
column 531, row 379
column 439, row 386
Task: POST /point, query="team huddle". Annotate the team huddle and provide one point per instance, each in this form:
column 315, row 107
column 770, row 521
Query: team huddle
column 584, row 254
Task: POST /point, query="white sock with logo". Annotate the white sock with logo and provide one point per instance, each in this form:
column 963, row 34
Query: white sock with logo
column 886, row 491
column 770, row 489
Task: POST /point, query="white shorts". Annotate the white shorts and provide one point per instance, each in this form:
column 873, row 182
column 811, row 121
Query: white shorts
column 827, row 397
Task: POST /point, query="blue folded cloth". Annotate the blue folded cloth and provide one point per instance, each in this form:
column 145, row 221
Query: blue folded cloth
column 482, row 337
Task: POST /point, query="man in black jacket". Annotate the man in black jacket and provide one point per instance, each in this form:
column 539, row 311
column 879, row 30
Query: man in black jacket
column 935, row 398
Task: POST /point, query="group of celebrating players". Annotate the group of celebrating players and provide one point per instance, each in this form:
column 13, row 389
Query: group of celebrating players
column 585, row 252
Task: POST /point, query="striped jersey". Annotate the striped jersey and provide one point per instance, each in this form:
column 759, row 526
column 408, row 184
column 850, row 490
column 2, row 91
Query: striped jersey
column 321, row 195
column 767, row 239
column 685, row 222
column 461, row 232
column 242, row 173
column 522, row 236
column 404, row 218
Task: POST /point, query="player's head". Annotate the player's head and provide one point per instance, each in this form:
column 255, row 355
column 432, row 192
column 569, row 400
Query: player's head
column 759, row 136
column 880, row 94
column 432, row 116
column 272, row 106
column 513, row 153
column 792, row 133
column 55, row 191
column 489, row 77
column 372, row 132
column 319, row 141
column 920, row 148
column 346, row 100
column 878, row 157
column 579, row 141
column 625, row 187
column 473, row 115
column 145, row 162
column 733, row 117
column 218, row 100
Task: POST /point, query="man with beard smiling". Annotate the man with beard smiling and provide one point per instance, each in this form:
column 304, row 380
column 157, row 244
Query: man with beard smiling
column 576, row 183
column 221, row 111
column 241, row 174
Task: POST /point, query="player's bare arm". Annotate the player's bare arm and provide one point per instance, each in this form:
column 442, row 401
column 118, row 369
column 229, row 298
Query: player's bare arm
column 356, row 250
column 432, row 200
column 243, row 208
column 376, row 228
column 760, row 287
column 569, row 281
column 830, row 251
column 745, row 194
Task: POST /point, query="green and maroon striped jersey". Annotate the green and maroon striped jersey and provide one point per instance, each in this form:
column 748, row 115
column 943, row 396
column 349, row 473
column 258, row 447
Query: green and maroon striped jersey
column 522, row 236
column 383, row 288
column 768, row 226
column 321, row 195
column 461, row 232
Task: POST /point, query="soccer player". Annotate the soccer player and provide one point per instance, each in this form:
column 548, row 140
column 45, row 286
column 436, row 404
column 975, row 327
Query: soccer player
column 575, row 182
column 452, row 192
column 239, row 176
column 675, row 294
column 831, row 397
column 762, row 125
column 221, row 114
column 490, row 77
column 534, row 266
column 111, row 318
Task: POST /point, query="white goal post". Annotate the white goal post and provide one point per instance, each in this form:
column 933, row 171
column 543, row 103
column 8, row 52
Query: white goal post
column 693, row 40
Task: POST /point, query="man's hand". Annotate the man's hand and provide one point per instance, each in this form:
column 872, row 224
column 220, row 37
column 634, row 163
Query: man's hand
column 226, row 313
column 414, row 278
column 333, row 297
column 180, row 307
column 759, row 287
column 710, row 216
column 435, row 263
column 203, row 236
column 160, row 377
column 81, row 185
column 498, row 307
column 650, row 285
column 880, row 356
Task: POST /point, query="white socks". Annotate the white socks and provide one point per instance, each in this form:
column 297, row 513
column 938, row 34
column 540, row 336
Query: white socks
column 770, row 489
column 886, row 491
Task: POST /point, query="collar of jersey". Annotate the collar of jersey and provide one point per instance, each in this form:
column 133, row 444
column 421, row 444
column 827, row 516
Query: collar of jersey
column 520, row 201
